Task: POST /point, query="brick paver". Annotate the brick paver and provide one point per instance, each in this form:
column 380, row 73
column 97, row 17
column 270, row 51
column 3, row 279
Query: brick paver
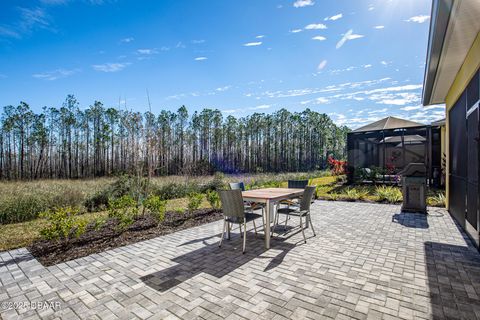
column 368, row 261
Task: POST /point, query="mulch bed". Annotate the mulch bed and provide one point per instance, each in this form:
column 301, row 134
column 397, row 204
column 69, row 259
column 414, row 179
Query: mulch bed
column 109, row 236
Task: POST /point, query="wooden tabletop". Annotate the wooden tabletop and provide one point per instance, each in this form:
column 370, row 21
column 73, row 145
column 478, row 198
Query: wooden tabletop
column 272, row 193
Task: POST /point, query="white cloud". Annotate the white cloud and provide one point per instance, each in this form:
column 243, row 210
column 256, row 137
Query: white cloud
column 127, row 40
column 421, row 107
column 379, row 27
column 303, row 3
column 8, row 32
column 418, row 19
column 53, row 2
column 335, row 17
column 263, row 106
column 385, row 63
column 260, row 36
column 221, row 89
column 410, row 108
column 315, row 26
column 180, row 45
column 200, row 58
column 252, row 44
column 231, row 110
column 319, row 38
column 378, row 111
column 55, row 74
column 198, row 41
column 371, row 7
column 147, row 51
column 366, row 66
column 321, row 100
column 296, row 30
column 322, row 65
column 110, row 67
column 348, row 36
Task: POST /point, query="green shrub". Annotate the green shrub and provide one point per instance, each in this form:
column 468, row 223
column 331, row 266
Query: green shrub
column 22, row 207
column 214, row 199
column 194, row 201
column 97, row 201
column 217, row 183
column 388, row 194
column 156, row 207
column 62, row 223
column 124, row 210
column 133, row 186
column 172, row 190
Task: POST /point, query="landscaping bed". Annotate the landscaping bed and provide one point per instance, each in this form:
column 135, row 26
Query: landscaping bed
column 109, row 236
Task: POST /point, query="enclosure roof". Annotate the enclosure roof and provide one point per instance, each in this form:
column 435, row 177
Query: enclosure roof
column 389, row 123
column 440, row 122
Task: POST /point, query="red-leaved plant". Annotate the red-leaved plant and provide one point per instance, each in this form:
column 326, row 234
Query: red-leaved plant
column 338, row 167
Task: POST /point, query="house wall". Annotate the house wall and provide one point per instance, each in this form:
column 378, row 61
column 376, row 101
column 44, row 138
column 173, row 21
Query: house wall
column 463, row 77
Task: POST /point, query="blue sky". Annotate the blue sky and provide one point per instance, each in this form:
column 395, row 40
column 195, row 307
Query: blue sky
column 356, row 60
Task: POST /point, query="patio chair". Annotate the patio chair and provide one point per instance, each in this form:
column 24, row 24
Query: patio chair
column 303, row 211
column 237, row 185
column 234, row 213
column 299, row 184
column 249, row 206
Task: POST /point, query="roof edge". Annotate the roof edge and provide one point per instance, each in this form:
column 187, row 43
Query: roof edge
column 440, row 16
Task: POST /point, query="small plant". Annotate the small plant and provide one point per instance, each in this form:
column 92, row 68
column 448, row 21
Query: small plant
column 351, row 194
column 179, row 210
column 439, row 200
column 194, row 201
column 214, row 199
column 333, row 196
column 155, row 207
column 63, row 224
column 98, row 223
column 124, row 210
column 388, row 194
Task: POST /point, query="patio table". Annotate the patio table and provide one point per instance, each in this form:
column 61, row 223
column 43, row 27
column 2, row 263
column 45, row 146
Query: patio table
column 270, row 196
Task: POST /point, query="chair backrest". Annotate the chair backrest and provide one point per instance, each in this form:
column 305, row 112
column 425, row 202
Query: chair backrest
column 307, row 198
column 299, row 184
column 237, row 186
column 232, row 203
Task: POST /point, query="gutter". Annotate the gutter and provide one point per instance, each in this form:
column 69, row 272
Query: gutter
column 440, row 16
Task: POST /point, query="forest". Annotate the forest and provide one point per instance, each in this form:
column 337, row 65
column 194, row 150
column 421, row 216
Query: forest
column 73, row 142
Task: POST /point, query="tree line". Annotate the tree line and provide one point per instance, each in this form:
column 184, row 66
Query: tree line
column 68, row 142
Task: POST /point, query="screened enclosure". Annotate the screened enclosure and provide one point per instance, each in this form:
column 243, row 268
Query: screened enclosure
column 379, row 151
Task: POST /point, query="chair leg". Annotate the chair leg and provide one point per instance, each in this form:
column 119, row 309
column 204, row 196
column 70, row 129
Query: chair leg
column 240, row 226
column 286, row 220
column 254, row 226
column 311, row 225
column 303, row 232
column 275, row 223
column 228, row 230
column 263, row 219
column 244, row 235
column 223, row 232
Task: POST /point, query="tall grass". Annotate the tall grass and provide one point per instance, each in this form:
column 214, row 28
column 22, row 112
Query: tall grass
column 24, row 200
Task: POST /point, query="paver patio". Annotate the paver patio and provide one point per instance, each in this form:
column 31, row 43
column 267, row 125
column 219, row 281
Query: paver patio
column 367, row 261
